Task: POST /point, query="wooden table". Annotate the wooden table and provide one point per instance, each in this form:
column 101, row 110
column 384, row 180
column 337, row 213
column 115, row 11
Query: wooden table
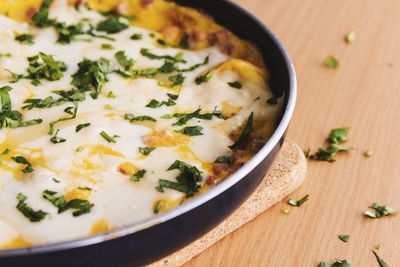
column 364, row 93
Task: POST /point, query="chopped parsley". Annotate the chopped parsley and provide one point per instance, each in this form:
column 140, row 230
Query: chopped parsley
column 48, row 102
column 55, row 139
column 381, row 262
column 184, row 42
column 335, row 140
column 25, row 39
column 107, row 46
column 131, row 118
column 191, row 131
column 298, row 203
column 157, row 207
column 24, row 161
column 204, row 78
column 178, row 58
column 188, row 181
column 244, row 136
column 344, row 238
column 332, row 62
column 236, row 85
column 196, row 66
column 69, row 110
column 12, row 118
column 137, row 176
column 108, row 138
column 224, row 160
column 349, row 37
column 28, row 212
column 91, row 76
column 123, row 60
column 156, row 104
column 368, row 153
column 136, row 36
column 44, row 66
column 167, row 67
column 146, row 150
column 379, row 211
column 111, row 95
column 183, row 118
column 81, row 126
column 79, row 206
column 337, row 263
column 111, row 25
column 177, row 80
column 173, row 96
column 41, row 18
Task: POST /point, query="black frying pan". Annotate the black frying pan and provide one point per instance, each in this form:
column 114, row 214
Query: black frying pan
column 147, row 241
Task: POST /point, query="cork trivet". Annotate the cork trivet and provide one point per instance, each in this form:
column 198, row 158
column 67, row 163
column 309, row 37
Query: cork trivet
column 285, row 175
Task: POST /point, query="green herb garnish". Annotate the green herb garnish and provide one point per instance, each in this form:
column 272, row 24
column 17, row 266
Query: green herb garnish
column 48, row 102
column 379, row 211
column 41, row 18
column 196, row 66
column 71, row 111
column 44, row 66
column 108, row 138
column 337, row 263
column 25, row 39
column 188, row 181
column 224, row 160
column 28, row 212
column 131, row 118
column 244, row 136
column 123, row 60
column 137, row 176
column 111, row 25
column 381, row 262
column 136, row 36
column 236, row 85
column 191, row 131
column 177, row 58
column 298, row 203
column 336, row 138
column 177, row 80
column 157, row 207
column 24, row 161
column 79, row 205
column 12, row 118
column 81, row 126
column 331, row 62
column 349, row 37
column 185, row 117
column 146, row 150
column 204, row 78
column 55, row 139
column 156, row 104
column 107, row 46
column 344, row 238
column 91, row 76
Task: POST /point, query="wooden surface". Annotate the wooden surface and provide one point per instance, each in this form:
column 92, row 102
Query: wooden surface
column 285, row 175
column 364, row 93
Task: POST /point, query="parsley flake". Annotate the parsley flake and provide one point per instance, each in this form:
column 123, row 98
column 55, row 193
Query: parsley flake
column 344, row 238
column 79, row 206
column 55, row 139
column 204, row 78
column 191, row 131
column 337, row 263
column 379, row 211
column 298, row 203
column 123, row 60
column 244, row 136
column 381, row 262
column 236, row 85
column 156, row 104
column 137, row 176
column 136, row 36
column 28, row 212
column 108, row 138
column 81, row 126
column 25, row 39
column 146, row 150
column 24, row 161
column 349, row 37
column 332, row 62
column 111, row 25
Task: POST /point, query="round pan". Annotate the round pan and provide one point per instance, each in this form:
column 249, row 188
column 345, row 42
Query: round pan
column 147, row 241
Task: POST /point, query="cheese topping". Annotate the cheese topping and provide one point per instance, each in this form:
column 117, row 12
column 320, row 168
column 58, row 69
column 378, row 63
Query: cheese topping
column 113, row 127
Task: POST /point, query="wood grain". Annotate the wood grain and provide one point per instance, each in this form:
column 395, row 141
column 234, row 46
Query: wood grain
column 364, row 93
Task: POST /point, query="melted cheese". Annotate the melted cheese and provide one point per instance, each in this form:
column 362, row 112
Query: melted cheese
column 86, row 160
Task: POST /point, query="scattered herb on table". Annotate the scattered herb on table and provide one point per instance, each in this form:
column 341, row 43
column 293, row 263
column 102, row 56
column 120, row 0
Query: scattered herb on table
column 381, row 262
column 337, row 263
column 349, row 37
column 298, row 203
column 378, row 211
column 332, row 62
column 336, row 138
column 344, row 238
column 368, row 153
